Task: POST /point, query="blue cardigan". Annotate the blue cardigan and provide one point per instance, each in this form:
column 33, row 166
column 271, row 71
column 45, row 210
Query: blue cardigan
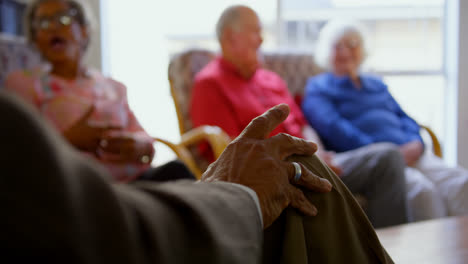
column 347, row 118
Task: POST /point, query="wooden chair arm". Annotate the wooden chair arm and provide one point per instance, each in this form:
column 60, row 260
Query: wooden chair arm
column 183, row 154
column 215, row 136
column 435, row 142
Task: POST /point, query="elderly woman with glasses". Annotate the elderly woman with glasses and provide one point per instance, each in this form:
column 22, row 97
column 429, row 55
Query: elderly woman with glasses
column 90, row 110
column 351, row 109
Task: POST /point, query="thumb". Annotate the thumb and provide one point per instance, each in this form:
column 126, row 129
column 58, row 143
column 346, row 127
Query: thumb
column 261, row 126
column 86, row 115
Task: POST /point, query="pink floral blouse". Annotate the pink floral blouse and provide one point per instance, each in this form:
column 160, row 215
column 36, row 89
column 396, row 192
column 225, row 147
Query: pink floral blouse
column 64, row 102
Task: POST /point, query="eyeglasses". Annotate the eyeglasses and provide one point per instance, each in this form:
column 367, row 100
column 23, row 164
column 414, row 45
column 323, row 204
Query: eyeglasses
column 63, row 19
column 350, row 44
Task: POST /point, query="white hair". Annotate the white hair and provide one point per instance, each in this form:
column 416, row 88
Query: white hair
column 231, row 17
column 331, row 33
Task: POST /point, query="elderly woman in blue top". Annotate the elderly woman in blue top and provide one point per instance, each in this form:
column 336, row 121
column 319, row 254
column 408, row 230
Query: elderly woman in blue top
column 350, row 109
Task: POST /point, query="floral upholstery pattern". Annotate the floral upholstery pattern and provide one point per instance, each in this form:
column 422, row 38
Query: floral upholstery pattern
column 15, row 54
column 182, row 70
column 294, row 68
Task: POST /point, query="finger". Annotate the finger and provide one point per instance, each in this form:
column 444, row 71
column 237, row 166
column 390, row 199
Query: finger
column 300, row 202
column 112, row 147
column 308, row 179
column 116, row 144
column 86, row 115
column 261, row 126
column 103, row 127
column 288, row 145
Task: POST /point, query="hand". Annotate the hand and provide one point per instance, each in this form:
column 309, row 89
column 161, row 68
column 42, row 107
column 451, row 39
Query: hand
column 327, row 157
column 411, row 152
column 124, row 147
column 259, row 163
column 84, row 136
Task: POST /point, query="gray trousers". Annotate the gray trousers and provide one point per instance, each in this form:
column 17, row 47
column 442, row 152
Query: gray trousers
column 377, row 172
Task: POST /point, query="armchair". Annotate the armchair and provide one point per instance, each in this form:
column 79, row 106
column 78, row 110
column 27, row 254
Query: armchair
column 184, row 150
column 15, row 54
column 294, row 68
column 182, row 69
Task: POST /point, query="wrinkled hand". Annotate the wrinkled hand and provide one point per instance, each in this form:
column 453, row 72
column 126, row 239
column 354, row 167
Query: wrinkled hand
column 411, row 152
column 259, row 163
column 84, row 136
column 327, row 157
column 124, row 147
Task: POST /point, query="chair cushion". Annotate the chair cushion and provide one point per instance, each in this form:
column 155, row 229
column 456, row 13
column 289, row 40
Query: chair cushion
column 293, row 68
column 15, row 54
column 182, row 70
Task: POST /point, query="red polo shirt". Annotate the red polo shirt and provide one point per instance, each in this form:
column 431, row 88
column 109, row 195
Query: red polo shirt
column 223, row 98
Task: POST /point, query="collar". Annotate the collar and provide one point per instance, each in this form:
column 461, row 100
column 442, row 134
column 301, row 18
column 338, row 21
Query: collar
column 341, row 79
column 344, row 82
column 230, row 68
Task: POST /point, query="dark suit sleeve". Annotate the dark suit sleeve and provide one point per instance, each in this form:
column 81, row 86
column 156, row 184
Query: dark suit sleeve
column 59, row 207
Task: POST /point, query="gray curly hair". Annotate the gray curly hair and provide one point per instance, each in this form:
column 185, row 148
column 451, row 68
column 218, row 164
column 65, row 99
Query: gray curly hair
column 84, row 16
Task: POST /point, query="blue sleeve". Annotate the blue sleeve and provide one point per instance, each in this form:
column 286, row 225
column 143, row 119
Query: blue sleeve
column 337, row 132
column 408, row 124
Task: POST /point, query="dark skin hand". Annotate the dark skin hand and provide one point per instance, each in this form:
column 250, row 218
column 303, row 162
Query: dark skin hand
column 260, row 164
column 125, row 147
column 107, row 139
column 84, row 136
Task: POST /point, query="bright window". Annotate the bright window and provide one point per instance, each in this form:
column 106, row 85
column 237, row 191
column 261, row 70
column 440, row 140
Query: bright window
column 406, row 37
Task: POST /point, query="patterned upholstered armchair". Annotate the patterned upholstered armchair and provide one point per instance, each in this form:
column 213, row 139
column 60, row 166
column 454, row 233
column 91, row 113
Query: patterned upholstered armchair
column 15, row 54
column 182, row 70
column 294, row 68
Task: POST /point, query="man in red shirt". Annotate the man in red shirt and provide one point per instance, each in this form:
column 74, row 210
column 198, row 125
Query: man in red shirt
column 233, row 89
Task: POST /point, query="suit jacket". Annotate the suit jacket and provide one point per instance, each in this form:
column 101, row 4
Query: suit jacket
column 59, row 207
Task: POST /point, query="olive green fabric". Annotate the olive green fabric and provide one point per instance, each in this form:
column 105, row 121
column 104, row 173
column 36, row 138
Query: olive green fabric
column 340, row 233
